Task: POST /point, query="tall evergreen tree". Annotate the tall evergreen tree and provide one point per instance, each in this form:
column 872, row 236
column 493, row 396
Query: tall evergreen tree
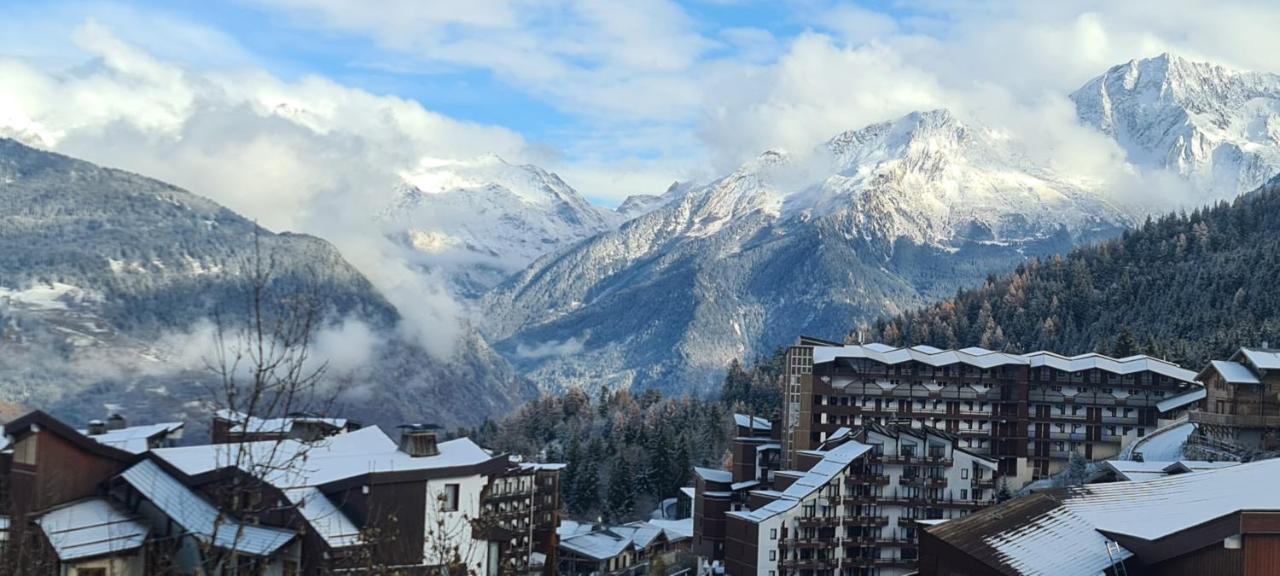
column 621, row 486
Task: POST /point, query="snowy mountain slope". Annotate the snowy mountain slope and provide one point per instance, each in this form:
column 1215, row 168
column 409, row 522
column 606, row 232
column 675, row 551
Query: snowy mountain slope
column 1217, row 127
column 889, row 216
column 482, row 220
column 105, row 274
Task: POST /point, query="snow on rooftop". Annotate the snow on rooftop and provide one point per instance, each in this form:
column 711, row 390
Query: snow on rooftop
column 329, row 522
column 134, row 439
column 609, row 541
column 753, row 422
column 1263, row 359
column 1059, row 542
column 198, row 516
column 254, row 424
column 675, row 529
column 983, row 358
column 91, row 528
column 713, row 475
column 1181, row 400
column 327, row 460
column 1235, row 372
column 1164, row 443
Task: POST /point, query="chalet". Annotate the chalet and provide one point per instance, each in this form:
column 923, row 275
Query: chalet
column 1240, row 418
column 626, row 549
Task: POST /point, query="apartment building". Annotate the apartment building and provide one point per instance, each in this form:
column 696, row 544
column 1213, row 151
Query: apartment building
column 351, row 501
column 1240, row 416
column 1029, row 412
column 855, row 504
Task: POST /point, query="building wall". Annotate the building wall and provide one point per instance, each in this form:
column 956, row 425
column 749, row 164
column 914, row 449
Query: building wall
column 448, row 530
column 132, row 565
column 46, row 483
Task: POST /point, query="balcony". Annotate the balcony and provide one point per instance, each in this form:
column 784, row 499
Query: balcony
column 983, row 483
column 1235, row 420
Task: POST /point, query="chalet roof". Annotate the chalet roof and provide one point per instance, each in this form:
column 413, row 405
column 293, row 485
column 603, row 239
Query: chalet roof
column 198, row 517
column 753, row 422
column 609, row 541
column 338, row 457
column 90, row 528
column 713, row 475
column 1066, row 531
column 1231, row 372
column 1262, row 358
column 1139, row 471
column 833, row 462
column 675, row 529
column 1169, row 404
column 134, row 439
column 22, row 425
column 983, row 358
column 252, row 424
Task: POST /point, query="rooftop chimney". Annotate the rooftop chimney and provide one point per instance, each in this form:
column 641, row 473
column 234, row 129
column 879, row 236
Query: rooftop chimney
column 116, row 422
column 97, row 427
column 419, row 440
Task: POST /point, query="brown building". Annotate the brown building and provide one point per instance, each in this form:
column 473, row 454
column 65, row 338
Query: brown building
column 1027, row 411
column 1240, row 416
column 355, row 501
column 1209, row 523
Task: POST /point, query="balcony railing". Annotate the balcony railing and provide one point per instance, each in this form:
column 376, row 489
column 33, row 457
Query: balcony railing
column 1235, row 420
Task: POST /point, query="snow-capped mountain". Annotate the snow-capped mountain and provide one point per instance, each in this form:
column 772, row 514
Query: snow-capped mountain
column 107, row 280
column 876, row 220
column 1217, row 127
column 480, row 221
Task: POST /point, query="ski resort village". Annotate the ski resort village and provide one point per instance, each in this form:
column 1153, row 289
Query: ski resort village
column 885, row 461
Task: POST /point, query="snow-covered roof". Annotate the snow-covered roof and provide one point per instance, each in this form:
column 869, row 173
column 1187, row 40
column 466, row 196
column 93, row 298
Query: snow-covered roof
column 983, row 358
column 675, row 529
column 333, row 458
column 542, row 466
column 256, row 425
column 1262, row 358
column 833, row 462
column 1233, row 372
column 1139, row 471
column 1181, row 400
column 89, row 528
column 1162, row 444
column 134, row 439
column 688, row 491
column 713, row 475
column 753, row 422
column 1048, row 535
column 327, row 520
column 600, row 545
column 198, row 516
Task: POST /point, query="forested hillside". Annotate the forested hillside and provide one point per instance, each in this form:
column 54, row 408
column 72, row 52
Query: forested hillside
column 1187, row 287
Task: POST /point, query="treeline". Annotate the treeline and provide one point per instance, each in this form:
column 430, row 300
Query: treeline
column 1185, row 287
column 626, row 453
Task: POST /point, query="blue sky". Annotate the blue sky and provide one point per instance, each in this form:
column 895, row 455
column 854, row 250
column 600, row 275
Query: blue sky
column 618, row 97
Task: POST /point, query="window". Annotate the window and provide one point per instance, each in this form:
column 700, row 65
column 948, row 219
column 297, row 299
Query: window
column 964, row 473
column 964, row 493
column 773, row 533
column 25, row 451
column 91, row 572
column 773, row 554
column 450, row 498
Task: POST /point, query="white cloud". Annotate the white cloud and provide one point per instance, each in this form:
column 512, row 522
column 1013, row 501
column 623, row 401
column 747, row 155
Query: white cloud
column 308, row 155
column 550, row 348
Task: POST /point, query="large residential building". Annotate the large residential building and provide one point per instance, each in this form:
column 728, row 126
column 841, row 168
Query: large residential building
column 1208, row 523
column 1029, row 412
column 851, row 505
column 111, row 502
column 1240, row 416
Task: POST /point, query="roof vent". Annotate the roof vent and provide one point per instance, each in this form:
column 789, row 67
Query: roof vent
column 117, row 422
column 97, row 427
column 419, row 440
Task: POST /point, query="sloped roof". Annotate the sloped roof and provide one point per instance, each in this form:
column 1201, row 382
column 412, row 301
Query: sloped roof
column 327, row 520
column 1232, row 372
column 1065, row 532
column 134, row 439
column 833, row 462
column 198, row 516
column 599, row 544
column 338, row 457
column 753, row 422
column 1264, row 359
column 89, row 528
column 713, row 475
column 1181, row 400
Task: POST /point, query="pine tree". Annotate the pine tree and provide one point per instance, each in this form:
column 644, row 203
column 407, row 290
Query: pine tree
column 621, row 496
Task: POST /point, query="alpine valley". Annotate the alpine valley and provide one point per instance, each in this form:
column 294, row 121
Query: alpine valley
column 98, row 265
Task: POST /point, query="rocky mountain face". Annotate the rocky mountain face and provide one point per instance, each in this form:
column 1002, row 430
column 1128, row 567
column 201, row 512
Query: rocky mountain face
column 1217, row 127
column 481, row 221
column 109, row 279
column 882, row 218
